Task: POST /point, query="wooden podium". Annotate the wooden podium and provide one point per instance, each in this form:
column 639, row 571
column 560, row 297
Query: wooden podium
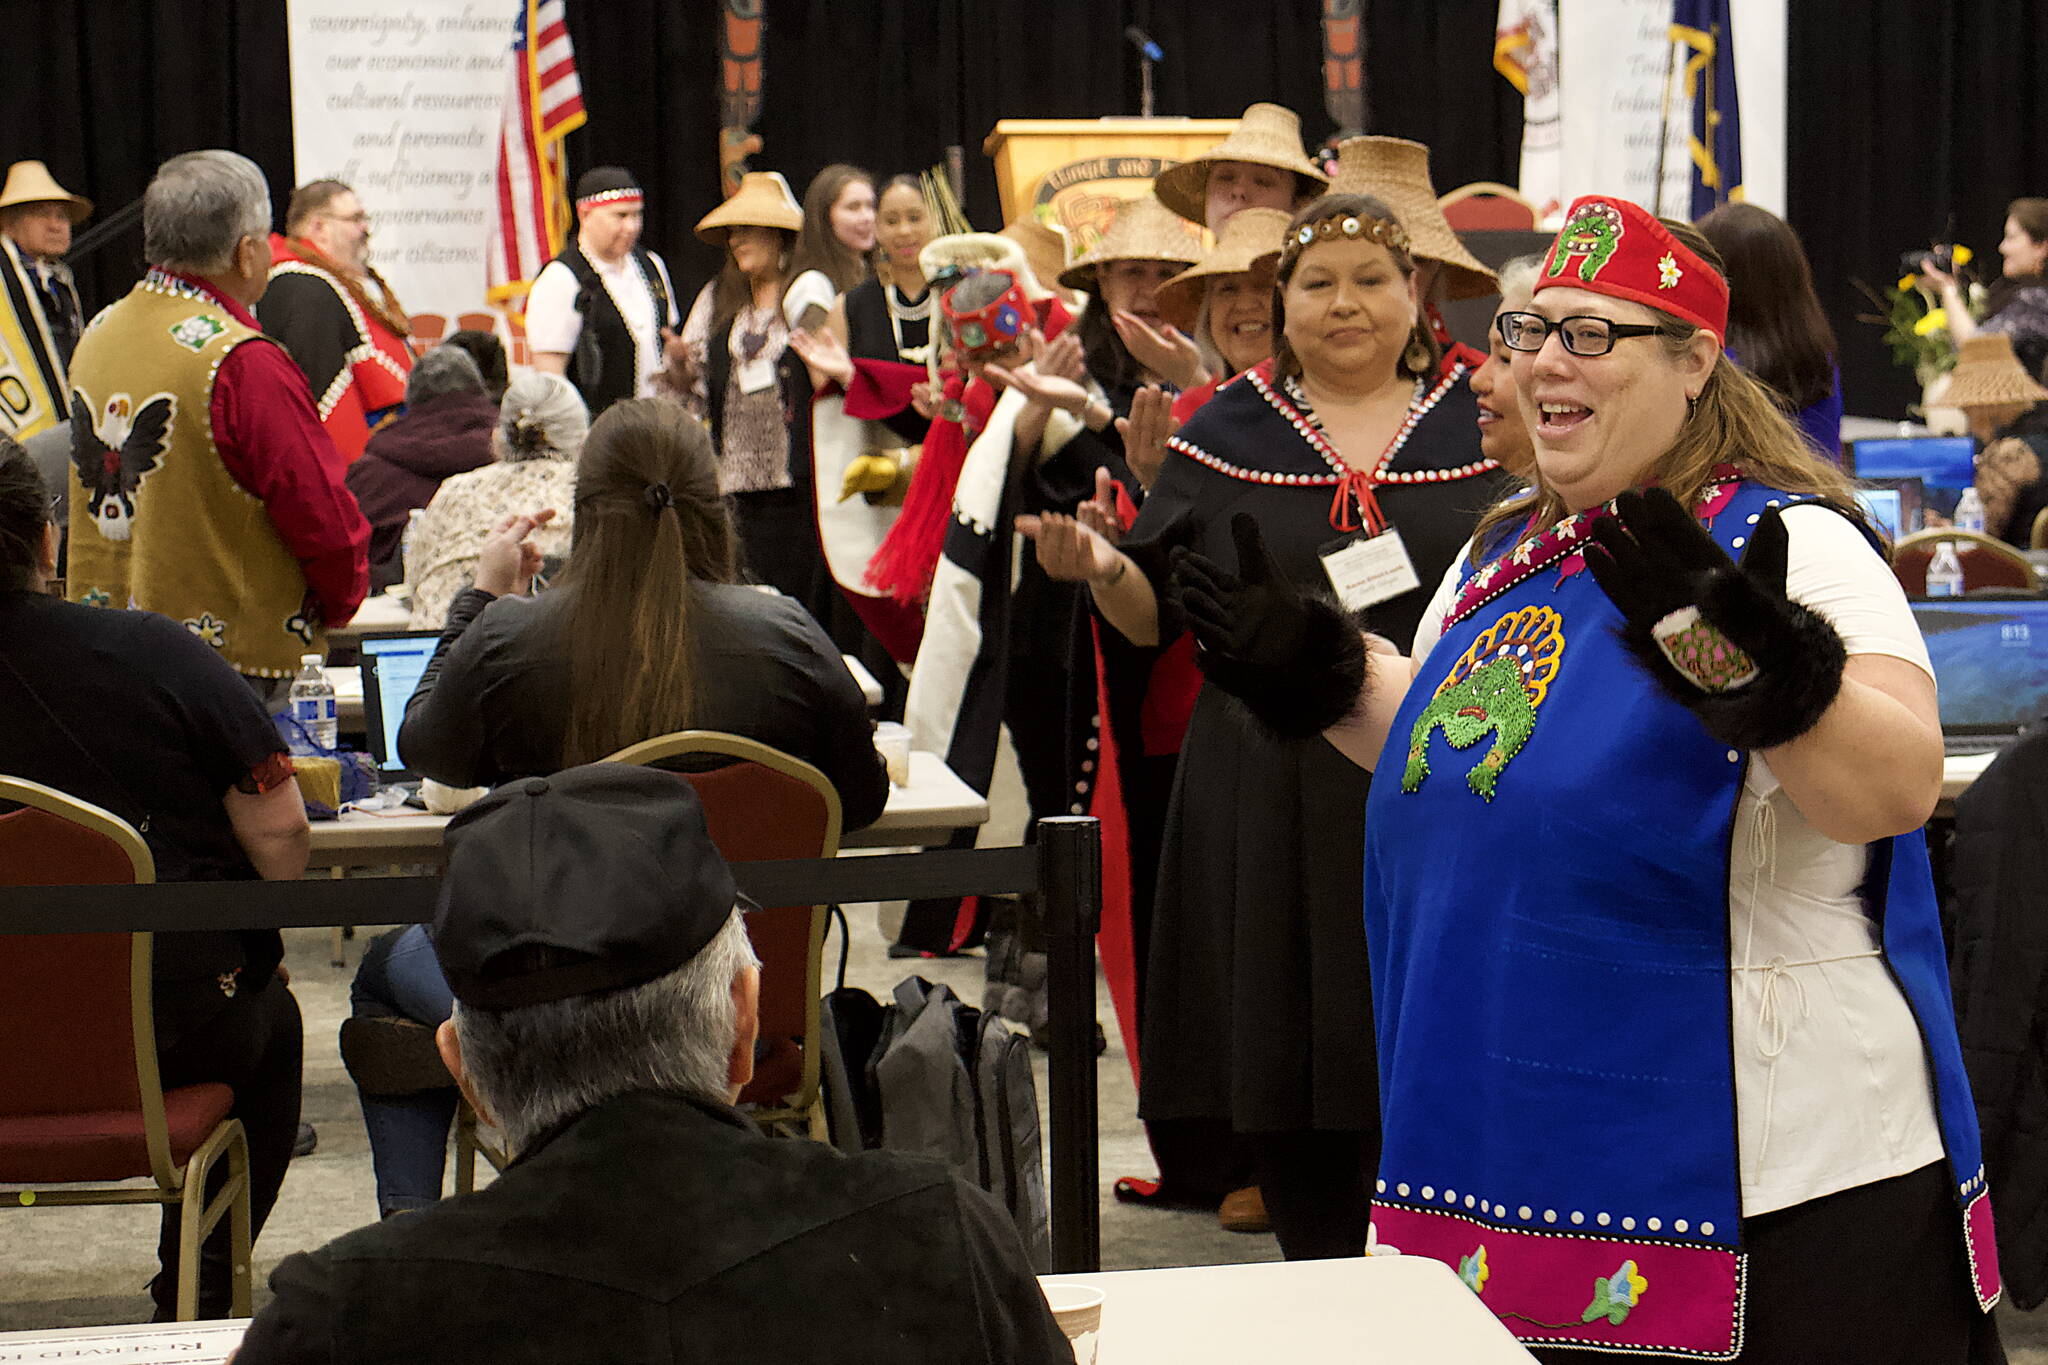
column 1072, row 173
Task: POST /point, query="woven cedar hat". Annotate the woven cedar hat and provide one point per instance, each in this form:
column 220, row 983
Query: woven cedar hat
column 1144, row 230
column 1249, row 236
column 1044, row 245
column 1266, row 135
column 762, row 200
column 30, row 182
column 1613, row 247
column 1395, row 171
column 1988, row 374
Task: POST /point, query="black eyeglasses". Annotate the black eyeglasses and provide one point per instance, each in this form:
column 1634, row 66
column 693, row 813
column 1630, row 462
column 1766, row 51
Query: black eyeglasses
column 1583, row 334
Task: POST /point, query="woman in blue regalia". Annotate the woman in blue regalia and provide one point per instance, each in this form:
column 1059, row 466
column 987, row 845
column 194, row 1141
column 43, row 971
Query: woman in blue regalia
column 1668, row 1065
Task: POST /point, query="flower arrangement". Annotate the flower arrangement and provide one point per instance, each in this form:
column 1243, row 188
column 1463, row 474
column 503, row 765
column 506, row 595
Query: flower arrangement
column 1916, row 325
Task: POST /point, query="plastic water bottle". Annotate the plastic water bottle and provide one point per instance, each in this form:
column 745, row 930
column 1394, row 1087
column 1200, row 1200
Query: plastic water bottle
column 315, row 729
column 1970, row 512
column 406, row 540
column 1945, row 571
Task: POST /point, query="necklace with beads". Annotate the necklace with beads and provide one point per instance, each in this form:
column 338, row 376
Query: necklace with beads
column 1355, row 506
column 902, row 310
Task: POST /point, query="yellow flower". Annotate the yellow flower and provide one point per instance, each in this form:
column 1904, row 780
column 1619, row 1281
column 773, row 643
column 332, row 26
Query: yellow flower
column 1908, row 283
column 1963, row 255
column 1935, row 321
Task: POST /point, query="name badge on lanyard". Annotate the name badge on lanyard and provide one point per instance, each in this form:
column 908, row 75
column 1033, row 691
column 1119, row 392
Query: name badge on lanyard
column 1371, row 564
column 1368, row 570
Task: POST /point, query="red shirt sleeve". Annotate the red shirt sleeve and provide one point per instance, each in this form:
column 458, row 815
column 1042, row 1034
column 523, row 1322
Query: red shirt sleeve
column 271, row 441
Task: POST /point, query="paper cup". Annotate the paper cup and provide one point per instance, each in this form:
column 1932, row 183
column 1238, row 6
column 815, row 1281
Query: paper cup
column 892, row 742
column 1077, row 1308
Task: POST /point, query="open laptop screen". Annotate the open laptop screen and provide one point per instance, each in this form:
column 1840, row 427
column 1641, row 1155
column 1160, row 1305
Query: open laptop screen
column 392, row 665
column 1990, row 662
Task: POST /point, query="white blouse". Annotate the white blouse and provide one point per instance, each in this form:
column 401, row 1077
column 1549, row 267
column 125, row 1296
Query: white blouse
column 1832, row 1087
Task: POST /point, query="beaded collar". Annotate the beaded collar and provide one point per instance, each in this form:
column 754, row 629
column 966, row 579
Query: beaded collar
column 1564, row 545
column 160, row 281
column 1303, row 421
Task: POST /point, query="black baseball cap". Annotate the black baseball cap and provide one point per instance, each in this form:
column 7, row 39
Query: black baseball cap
column 596, row 878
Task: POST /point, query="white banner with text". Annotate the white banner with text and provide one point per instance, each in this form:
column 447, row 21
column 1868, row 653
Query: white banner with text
column 401, row 99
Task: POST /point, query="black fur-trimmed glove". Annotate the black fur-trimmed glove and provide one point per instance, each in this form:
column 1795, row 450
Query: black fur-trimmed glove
column 1295, row 659
column 1724, row 640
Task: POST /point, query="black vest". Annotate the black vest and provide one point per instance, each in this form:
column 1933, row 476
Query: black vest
column 605, row 364
column 869, row 336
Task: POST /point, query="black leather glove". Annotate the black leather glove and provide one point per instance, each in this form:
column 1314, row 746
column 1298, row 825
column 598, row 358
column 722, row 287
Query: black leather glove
column 1295, row 659
column 1757, row 668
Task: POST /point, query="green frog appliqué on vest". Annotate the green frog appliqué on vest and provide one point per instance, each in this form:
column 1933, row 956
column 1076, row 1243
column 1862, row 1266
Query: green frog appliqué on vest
column 1494, row 688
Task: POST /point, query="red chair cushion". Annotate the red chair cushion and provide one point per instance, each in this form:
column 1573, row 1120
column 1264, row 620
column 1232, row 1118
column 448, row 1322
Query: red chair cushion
column 58, row 1149
column 776, row 1074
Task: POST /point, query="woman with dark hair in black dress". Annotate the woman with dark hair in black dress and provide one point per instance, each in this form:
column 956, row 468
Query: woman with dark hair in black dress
column 1257, row 1011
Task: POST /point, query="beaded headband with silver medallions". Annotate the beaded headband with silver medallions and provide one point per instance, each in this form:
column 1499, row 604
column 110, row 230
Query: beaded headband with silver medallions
column 1354, row 226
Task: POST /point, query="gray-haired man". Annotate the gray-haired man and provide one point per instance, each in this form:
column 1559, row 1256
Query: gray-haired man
column 202, row 484
column 605, row 1018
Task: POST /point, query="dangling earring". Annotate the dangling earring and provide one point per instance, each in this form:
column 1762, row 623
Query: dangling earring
column 1415, row 356
column 1692, row 405
column 782, row 263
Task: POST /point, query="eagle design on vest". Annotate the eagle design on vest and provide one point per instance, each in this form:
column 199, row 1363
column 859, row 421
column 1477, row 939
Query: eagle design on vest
column 115, row 453
column 1495, row 687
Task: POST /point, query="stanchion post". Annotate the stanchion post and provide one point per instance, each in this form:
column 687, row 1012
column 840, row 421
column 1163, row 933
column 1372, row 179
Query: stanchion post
column 1070, row 889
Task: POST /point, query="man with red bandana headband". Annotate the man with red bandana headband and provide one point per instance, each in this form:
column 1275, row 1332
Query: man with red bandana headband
column 603, row 313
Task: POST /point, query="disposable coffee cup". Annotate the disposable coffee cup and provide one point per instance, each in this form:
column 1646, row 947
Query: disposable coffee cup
column 1077, row 1308
column 892, row 742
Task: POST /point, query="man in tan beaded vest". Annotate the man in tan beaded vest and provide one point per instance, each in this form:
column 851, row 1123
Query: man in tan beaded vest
column 202, row 484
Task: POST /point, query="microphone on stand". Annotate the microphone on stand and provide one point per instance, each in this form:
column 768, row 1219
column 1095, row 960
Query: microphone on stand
column 1148, row 53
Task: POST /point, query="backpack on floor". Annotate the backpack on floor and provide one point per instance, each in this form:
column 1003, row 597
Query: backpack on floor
column 930, row 1075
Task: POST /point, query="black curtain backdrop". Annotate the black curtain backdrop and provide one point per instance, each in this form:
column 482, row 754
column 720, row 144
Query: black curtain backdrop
column 104, row 90
column 1909, row 122
column 1905, row 116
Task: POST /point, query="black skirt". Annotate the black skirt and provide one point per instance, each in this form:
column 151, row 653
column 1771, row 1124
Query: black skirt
column 1257, row 1004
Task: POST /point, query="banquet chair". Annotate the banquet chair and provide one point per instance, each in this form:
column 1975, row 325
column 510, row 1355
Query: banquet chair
column 2038, row 539
column 81, row 1100
column 760, row 804
column 1987, row 561
column 1486, row 206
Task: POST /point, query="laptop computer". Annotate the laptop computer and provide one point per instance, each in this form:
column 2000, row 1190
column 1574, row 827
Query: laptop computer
column 392, row 662
column 1893, row 504
column 1945, row 465
column 1991, row 664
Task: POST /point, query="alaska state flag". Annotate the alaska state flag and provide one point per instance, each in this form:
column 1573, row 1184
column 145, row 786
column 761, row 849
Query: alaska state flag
column 1706, row 42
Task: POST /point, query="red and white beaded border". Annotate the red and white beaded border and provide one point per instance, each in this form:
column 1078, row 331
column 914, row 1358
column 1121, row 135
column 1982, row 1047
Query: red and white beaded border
column 1311, row 431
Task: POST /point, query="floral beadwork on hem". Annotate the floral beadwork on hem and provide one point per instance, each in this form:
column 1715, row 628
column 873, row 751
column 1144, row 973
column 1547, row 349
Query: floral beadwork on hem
column 209, row 628
column 1614, row 1295
column 1473, row 1270
column 1495, row 687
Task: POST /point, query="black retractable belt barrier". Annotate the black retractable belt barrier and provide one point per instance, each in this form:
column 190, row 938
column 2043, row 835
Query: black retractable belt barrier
column 1064, row 870
column 1070, row 890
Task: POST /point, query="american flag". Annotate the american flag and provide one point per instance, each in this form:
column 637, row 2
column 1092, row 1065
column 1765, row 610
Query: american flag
column 543, row 104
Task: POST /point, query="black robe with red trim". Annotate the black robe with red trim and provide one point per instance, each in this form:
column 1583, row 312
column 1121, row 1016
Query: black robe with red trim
column 1257, row 1006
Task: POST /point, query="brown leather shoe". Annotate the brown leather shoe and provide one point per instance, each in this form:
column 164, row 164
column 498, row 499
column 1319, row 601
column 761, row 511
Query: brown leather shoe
column 1244, row 1211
